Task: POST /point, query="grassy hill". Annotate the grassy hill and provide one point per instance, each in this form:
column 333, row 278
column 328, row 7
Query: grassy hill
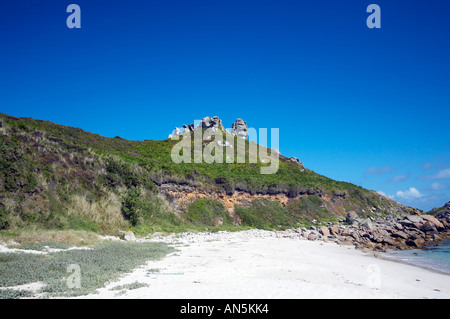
column 55, row 176
column 440, row 210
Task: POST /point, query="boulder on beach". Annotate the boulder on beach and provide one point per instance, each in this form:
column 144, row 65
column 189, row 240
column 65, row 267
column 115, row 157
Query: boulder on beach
column 433, row 221
column 367, row 223
column 128, row 235
column 351, row 217
column 324, row 231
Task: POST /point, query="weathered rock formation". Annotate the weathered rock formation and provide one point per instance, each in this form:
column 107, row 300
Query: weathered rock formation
column 188, row 128
column 295, row 160
column 210, row 122
column 239, row 128
column 392, row 232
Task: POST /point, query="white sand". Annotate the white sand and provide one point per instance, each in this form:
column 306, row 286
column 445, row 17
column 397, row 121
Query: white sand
column 277, row 268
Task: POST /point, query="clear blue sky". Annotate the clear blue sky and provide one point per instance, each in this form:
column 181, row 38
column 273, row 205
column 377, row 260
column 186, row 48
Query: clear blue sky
column 368, row 106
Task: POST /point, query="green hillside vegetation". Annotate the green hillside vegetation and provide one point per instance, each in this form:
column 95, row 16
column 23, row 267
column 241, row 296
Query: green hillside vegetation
column 440, row 210
column 208, row 212
column 55, row 176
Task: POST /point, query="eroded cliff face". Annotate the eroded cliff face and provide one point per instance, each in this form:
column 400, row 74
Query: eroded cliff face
column 387, row 226
column 310, row 206
column 182, row 196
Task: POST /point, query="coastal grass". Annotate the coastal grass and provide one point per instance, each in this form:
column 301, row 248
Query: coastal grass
column 35, row 235
column 14, row 293
column 104, row 262
column 130, row 286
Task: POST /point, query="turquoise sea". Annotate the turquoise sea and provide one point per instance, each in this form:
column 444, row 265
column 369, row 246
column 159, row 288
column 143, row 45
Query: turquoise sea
column 434, row 256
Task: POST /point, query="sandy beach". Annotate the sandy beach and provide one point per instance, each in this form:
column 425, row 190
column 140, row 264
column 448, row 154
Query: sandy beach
column 277, row 268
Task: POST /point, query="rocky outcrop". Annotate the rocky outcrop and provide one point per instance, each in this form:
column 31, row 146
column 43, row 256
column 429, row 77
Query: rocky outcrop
column 211, row 122
column 176, row 131
column 207, row 122
column 295, row 160
column 351, row 217
column 444, row 212
column 393, row 232
column 240, row 128
column 188, row 128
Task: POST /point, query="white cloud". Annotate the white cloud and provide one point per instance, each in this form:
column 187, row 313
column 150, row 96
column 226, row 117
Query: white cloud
column 399, row 178
column 436, row 186
column 379, row 170
column 411, row 193
column 382, row 193
column 385, row 195
column 442, row 174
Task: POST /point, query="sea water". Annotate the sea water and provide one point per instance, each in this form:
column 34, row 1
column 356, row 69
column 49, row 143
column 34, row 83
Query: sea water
column 434, row 256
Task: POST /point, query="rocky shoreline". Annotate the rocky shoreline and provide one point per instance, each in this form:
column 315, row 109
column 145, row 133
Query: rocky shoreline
column 393, row 232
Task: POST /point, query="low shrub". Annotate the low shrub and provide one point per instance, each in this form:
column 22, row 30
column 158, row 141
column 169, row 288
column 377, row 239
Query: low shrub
column 308, row 207
column 266, row 214
column 208, row 212
column 133, row 206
